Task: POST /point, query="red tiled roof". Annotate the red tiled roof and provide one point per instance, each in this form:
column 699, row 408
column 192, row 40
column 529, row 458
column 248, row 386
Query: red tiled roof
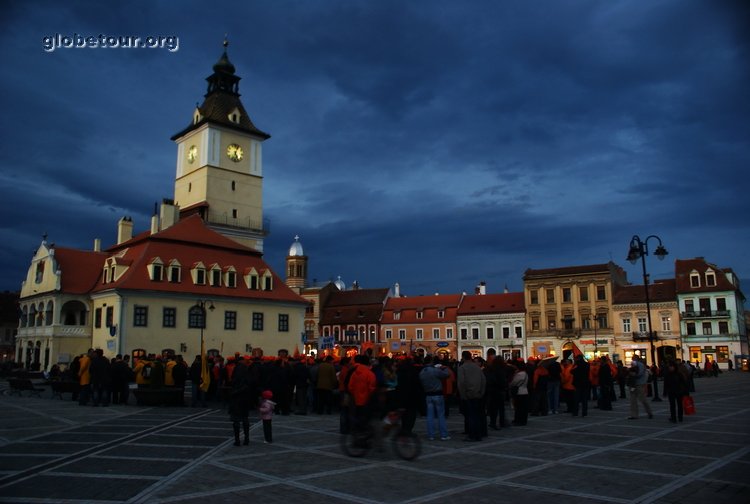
column 441, row 301
column 190, row 241
column 659, row 291
column 361, row 306
column 80, row 269
column 512, row 302
column 366, row 314
column 683, row 268
column 357, row 297
column 191, row 230
column 408, row 307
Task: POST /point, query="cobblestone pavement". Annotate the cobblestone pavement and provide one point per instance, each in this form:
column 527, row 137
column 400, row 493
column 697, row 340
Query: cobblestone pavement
column 57, row 451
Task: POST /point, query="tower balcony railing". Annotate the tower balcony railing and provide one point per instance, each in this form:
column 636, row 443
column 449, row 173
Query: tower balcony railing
column 262, row 228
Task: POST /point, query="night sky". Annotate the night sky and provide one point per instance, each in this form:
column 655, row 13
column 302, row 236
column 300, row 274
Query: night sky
column 432, row 143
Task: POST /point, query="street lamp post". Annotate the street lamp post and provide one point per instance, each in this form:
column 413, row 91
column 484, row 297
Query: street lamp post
column 202, row 304
column 639, row 250
column 596, row 342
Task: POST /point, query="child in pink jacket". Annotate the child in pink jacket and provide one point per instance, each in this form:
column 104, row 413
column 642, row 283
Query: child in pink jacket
column 266, row 413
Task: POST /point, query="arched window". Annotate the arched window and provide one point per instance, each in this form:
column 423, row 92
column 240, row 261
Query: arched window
column 48, row 314
column 32, row 315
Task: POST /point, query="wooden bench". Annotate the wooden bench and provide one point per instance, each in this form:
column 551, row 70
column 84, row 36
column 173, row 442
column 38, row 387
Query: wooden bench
column 166, row 396
column 20, row 385
column 64, row 387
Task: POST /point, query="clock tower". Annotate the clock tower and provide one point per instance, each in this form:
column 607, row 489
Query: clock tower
column 219, row 162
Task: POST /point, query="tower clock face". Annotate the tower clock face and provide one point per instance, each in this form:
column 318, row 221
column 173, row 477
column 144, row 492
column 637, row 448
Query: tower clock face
column 234, row 152
column 192, row 154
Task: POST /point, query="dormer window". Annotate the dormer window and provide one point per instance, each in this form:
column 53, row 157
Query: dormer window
column 199, row 274
column 197, row 116
column 267, row 281
column 397, row 315
column 174, row 272
column 251, row 279
column 695, row 280
column 230, row 277
column 420, row 315
column 215, row 278
column 710, row 279
column 441, row 314
column 105, row 275
column 155, row 270
column 234, row 116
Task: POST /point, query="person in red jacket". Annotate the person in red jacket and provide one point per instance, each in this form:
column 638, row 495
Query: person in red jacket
column 361, row 386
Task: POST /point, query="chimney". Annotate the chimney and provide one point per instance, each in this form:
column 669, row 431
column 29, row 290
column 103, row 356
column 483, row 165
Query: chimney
column 396, row 290
column 505, row 290
column 124, row 229
column 169, row 214
column 97, row 245
column 482, row 288
column 355, row 285
column 154, row 224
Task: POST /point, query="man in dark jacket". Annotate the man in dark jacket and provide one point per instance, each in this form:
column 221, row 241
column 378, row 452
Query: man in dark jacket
column 495, row 374
column 198, row 396
column 101, row 378
column 240, row 400
column 301, row 376
column 582, row 384
column 408, row 392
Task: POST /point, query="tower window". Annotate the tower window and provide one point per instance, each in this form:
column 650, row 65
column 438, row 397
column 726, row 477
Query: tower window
column 233, row 185
column 234, row 213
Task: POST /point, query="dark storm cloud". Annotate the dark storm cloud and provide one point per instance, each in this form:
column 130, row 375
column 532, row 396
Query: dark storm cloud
column 432, row 143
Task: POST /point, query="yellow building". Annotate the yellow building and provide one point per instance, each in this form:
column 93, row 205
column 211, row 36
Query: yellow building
column 571, row 307
column 631, row 322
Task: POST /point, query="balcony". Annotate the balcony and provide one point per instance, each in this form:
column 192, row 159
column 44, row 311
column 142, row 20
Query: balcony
column 641, row 336
column 705, row 314
column 56, row 330
column 223, row 220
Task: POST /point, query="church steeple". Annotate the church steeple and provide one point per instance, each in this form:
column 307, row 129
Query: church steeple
column 296, row 266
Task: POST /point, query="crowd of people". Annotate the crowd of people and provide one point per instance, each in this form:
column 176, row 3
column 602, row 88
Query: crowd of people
column 364, row 387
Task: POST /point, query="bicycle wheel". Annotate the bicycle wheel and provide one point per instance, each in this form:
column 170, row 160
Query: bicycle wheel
column 357, row 444
column 407, row 445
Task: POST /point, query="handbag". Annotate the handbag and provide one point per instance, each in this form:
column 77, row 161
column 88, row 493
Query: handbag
column 688, row 405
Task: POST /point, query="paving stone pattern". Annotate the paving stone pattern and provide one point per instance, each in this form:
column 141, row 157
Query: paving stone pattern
column 56, row 451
